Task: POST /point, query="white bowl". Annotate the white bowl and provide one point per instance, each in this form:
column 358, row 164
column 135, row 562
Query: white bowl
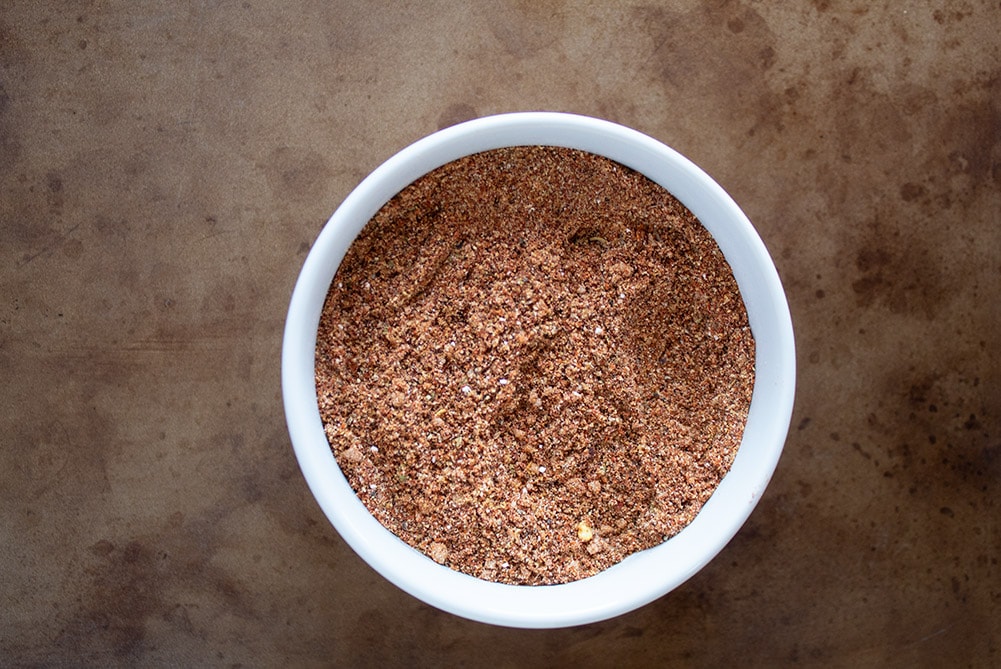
column 644, row 576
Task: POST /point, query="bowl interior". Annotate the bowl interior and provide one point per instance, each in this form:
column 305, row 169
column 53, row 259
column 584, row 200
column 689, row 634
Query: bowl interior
column 644, row 576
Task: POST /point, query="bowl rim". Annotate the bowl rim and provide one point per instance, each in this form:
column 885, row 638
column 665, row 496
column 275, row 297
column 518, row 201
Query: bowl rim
column 644, row 576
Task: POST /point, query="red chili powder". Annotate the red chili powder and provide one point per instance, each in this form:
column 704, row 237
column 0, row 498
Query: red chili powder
column 532, row 363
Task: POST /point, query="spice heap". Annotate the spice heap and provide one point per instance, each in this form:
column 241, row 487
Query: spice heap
column 532, row 363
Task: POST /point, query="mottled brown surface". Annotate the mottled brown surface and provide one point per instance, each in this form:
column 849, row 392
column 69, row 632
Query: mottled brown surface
column 164, row 168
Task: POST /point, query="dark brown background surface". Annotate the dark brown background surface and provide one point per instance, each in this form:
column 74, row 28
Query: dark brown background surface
column 164, row 168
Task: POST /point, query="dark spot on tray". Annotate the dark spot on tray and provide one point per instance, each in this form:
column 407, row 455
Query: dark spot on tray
column 911, row 191
column 456, row 113
column 297, row 174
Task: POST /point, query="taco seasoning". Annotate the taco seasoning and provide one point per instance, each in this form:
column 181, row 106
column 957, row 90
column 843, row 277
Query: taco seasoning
column 532, row 363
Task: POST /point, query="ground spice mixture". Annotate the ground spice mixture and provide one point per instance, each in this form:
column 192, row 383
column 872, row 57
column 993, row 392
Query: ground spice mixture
column 532, row 363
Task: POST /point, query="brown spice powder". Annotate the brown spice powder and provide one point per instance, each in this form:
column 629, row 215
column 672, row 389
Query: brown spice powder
column 532, row 363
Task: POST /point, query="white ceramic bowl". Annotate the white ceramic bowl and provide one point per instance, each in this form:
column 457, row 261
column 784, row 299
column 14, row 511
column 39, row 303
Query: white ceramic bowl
column 641, row 577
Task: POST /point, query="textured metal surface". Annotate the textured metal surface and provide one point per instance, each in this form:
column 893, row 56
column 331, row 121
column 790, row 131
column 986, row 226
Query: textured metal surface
column 164, row 169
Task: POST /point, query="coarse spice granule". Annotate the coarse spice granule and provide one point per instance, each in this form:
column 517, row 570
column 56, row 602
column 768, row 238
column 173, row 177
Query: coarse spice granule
column 532, row 363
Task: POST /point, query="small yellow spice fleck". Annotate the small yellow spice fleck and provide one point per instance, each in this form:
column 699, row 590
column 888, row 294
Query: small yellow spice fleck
column 584, row 531
column 439, row 552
